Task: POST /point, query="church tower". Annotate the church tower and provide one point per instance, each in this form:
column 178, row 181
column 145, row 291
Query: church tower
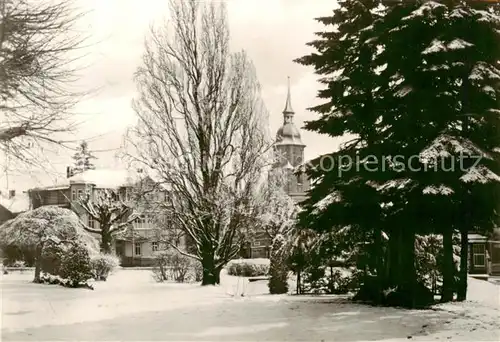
column 289, row 150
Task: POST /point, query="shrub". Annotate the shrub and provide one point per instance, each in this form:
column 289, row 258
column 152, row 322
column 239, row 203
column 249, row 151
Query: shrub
column 171, row 265
column 52, row 256
column 18, row 264
column 75, row 266
column 103, row 264
column 247, row 268
column 340, row 280
column 13, row 256
column 197, row 271
column 278, row 270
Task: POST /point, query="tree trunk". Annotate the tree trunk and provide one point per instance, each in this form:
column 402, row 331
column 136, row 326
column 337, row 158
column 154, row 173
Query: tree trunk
column 38, row 265
column 464, row 262
column 106, row 241
column 408, row 277
column 448, row 266
column 379, row 267
column 211, row 274
column 298, row 282
column 393, row 264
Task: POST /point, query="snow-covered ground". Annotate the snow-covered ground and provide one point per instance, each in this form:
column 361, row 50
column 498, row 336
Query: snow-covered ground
column 130, row 306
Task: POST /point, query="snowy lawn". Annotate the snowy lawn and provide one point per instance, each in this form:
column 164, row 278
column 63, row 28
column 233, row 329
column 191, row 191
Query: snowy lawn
column 130, row 306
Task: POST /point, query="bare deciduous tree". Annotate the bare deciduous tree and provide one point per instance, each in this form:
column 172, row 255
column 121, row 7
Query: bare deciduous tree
column 112, row 213
column 202, row 130
column 278, row 211
column 38, row 64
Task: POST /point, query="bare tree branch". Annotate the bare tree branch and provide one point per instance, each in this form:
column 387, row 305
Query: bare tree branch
column 39, row 53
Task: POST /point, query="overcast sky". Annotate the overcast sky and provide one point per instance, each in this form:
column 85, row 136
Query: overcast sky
column 273, row 32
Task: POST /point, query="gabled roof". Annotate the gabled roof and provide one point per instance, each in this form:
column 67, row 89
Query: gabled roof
column 17, row 204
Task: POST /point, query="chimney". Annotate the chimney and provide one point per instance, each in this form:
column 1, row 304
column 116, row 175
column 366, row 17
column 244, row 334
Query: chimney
column 69, row 171
column 12, row 193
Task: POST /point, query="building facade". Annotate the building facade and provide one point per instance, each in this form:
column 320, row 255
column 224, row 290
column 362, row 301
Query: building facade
column 289, row 150
column 136, row 244
column 12, row 204
column 484, row 254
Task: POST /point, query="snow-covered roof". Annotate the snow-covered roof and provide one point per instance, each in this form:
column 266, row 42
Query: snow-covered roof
column 17, row 204
column 106, row 178
column 101, row 178
column 472, row 237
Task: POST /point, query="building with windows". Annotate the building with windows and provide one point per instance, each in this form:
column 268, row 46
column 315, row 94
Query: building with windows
column 137, row 243
column 484, row 254
column 289, row 150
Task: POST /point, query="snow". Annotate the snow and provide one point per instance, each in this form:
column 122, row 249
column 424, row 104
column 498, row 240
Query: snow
column 101, row 178
column 403, row 91
column 106, row 178
column 484, row 71
column 378, row 70
column 396, row 183
column 423, row 10
column 446, row 145
column 441, row 189
column 321, row 205
column 255, row 261
column 130, row 306
column 479, row 174
column 17, row 204
column 439, row 46
column 436, row 46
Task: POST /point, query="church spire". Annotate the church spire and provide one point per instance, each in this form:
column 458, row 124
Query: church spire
column 288, row 106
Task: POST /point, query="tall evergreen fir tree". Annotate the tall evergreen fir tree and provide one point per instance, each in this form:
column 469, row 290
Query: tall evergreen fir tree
column 342, row 188
column 83, row 159
column 450, row 87
column 424, row 104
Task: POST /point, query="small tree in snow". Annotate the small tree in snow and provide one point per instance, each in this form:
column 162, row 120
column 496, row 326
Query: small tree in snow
column 278, row 270
column 111, row 212
column 277, row 215
column 83, row 159
column 36, row 229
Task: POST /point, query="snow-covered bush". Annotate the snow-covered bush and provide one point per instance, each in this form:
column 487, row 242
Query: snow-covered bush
column 278, row 268
column 44, row 228
column 429, row 258
column 170, row 265
column 341, row 280
column 52, row 256
column 248, row 268
column 75, row 266
column 17, row 264
column 197, row 269
column 103, row 264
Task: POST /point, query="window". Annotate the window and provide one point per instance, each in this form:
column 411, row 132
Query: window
column 478, row 255
column 299, row 180
column 73, row 195
column 91, row 222
column 256, row 243
column 141, row 222
column 154, row 246
column 80, row 193
column 137, row 248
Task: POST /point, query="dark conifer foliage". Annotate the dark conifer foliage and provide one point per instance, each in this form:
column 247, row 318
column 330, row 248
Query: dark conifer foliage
column 83, row 159
column 417, row 85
